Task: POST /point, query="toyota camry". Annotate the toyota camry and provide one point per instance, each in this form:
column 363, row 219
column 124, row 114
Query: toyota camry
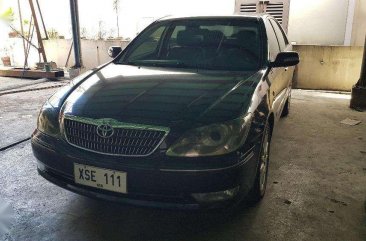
column 181, row 118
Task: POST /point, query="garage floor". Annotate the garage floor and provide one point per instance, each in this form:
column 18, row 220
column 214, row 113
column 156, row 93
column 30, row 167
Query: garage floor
column 316, row 191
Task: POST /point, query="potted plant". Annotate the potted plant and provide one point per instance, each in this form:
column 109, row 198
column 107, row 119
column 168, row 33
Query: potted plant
column 13, row 34
column 5, row 57
column 8, row 17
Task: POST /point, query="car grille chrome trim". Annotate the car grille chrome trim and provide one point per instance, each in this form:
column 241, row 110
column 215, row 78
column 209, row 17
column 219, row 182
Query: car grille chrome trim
column 127, row 140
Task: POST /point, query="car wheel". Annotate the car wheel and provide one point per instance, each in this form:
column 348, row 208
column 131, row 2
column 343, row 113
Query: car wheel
column 286, row 108
column 259, row 187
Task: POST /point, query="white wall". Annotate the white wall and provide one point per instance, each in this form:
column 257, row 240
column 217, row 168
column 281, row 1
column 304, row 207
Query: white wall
column 359, row 24
column 319, row 22
column 94, row 52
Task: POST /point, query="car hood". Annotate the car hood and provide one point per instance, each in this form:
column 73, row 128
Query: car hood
column 164, row 97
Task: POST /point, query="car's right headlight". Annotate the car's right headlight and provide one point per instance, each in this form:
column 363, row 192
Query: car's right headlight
column 48, row 122
column 48, row 119
column 57, row 98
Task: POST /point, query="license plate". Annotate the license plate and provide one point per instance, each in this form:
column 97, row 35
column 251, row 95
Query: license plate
column 101, row 178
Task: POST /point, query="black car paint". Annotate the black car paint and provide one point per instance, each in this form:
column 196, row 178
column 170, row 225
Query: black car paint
column 199, row 97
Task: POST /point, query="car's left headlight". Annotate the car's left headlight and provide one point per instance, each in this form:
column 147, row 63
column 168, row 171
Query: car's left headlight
column 212, row 140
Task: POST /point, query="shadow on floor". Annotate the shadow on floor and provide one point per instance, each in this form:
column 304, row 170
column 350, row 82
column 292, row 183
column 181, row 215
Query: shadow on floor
column 112, row 221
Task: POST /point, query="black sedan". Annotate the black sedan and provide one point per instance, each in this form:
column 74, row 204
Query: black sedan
column 181, row 118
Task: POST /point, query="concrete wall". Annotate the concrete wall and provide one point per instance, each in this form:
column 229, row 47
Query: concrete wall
column 359, row 23
column 318, row 22
column 327, row 22
column 94, row 52
column 328, row 67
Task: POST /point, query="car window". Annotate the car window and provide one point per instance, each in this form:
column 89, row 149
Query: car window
column 273, row 46
column 217, row 44
column 282, row 40
column 149, row 46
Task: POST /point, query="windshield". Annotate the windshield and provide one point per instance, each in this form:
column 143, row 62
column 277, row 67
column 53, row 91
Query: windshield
column 215, row 44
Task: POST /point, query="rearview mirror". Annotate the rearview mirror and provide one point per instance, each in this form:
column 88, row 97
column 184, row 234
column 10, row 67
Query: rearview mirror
column 113, row 51
column 286, row 59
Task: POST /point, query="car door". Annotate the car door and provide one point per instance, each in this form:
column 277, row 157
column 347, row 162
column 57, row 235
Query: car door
column 276, row 75
column 287, row 74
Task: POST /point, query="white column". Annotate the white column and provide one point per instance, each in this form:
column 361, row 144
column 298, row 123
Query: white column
column 349, row 24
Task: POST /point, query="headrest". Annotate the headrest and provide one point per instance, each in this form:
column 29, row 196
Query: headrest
column 213, row 37
column 190, row 38
column 246, row 35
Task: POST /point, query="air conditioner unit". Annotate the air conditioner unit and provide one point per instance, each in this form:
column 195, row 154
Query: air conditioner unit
column 279, row 9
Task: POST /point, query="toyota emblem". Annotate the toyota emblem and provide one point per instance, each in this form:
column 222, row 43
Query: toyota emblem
column 105, row 131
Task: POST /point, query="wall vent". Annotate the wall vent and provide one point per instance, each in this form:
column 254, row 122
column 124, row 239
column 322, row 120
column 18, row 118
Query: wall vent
column 279, row 9
column 276, row 10
column 248, row 8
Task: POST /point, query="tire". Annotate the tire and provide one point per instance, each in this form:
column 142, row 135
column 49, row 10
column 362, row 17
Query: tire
column 286, row 108
column 259, row 187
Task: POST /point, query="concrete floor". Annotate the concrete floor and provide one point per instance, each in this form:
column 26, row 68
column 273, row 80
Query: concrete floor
column 316, row 189
column 9, row 83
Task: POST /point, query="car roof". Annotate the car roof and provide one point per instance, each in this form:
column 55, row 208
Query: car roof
column 247, row 15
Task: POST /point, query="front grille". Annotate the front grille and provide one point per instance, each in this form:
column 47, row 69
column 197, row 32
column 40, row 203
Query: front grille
column 125, row 141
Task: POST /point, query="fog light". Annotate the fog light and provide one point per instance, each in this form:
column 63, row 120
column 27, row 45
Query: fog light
column 216, row 196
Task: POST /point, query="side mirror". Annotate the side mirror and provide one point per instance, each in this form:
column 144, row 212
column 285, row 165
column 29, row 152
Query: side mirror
column 286, row 59
column 113, row 51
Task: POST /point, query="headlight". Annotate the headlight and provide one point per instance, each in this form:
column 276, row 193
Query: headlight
column 212, row 140
column 57, row 98
column 48, row 120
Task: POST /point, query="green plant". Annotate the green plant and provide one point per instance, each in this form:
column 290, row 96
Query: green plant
column 7, row 15
column 52, row 33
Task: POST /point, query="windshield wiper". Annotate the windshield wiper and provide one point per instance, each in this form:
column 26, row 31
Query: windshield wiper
column 159, row 63
column 130, row 63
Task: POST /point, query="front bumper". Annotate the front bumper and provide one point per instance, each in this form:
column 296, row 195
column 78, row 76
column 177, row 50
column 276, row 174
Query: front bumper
column 149, row 184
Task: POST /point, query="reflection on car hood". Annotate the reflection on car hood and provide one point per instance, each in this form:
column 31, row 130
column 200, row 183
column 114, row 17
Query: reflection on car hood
column 164, row 97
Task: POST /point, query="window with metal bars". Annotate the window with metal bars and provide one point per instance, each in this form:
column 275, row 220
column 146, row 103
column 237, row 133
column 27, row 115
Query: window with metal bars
column 248, row 8
column 276, row 10
column 279, row 9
